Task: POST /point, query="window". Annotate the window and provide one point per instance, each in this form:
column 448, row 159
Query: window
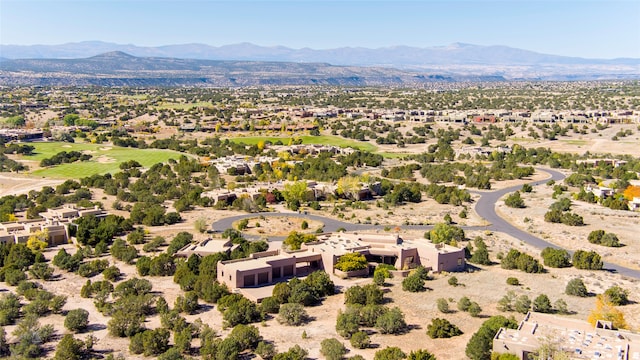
column 459, row 261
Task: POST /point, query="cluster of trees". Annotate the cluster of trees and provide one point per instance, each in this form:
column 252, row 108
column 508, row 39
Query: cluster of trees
column 443, row 194
column 603, row 238
column 556, row 258
column 521, row 261
column 351, row 262
column 472, row 307
column 588, row 260
column 415, row 281
column 481, row 343
column 445, row 233
column 514, row 200
column 481, row 253
column 522, row 304
column 295, row 239
column 64, row 157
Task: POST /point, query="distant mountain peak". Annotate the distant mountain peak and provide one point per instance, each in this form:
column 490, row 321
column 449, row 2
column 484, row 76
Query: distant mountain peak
column 114, row 55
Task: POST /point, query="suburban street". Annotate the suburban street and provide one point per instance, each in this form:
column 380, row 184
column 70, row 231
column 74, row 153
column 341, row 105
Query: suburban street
column 485, row 207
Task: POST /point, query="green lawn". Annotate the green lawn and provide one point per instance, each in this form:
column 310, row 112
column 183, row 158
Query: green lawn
column 183, row 106
column 106, row 159
column 575, row 142
column 307, row 139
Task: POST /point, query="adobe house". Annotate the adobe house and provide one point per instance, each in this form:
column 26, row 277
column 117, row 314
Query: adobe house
column 272, row 266
column 578, row 339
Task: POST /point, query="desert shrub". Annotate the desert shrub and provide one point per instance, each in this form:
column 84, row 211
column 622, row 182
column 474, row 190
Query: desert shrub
column 576, row 287
column 360, row 340
column 270, row 305
column 112, row 273
column 390, row 353
column 481, row 342
column 391, row 322
column 413, row 283
column 464, row 303
column 521, row 261
column 542, row 304
column 443, row 305
column 605, row 239
column 442, row 328
column 589, row 260
column 617, row 295
column 292, row 314
column 556, row 258
column 76, row 320
column 522, row 304
column 332, row 349
column 513, row 281
column 347, row 323
column 474, row 309
column 514, row 200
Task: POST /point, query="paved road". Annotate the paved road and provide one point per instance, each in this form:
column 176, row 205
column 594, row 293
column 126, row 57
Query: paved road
column 485, row 207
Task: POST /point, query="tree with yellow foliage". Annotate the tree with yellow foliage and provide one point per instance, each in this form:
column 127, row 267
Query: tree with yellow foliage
column 38, row 241
column 607, row 311
column 631, row 191
column 348, row 186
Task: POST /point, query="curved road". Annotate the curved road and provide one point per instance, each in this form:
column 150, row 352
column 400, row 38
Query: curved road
column 485, row 207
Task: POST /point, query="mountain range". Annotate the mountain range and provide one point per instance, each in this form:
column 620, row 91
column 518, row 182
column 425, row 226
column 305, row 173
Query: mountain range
column 395, row 56
column 108, row 64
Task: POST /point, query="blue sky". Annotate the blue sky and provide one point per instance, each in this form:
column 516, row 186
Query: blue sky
column 586, row 28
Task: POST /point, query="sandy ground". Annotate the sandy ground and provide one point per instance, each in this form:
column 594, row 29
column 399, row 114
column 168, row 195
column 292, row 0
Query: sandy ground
column 623, row 223
column 17, row 184
column 419, row 308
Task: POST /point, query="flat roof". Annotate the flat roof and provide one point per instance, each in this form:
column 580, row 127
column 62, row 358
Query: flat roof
column 577, row 337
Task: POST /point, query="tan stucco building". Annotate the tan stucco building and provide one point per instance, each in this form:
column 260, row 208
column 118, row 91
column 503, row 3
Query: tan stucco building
column 272, row 266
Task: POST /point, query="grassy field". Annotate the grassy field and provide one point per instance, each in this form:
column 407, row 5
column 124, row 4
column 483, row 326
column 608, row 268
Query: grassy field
column 306, row 139
column 575, row 142
column 106, row 159
column 183, row 106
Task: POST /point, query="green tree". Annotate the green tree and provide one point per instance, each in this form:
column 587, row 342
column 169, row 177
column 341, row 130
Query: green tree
column 351, row 262
column 413, row 283
column 390, row 353
column 421, row 355
column 556, row 258
column 576, row 287
column 247, row 336
column 589, row 260
column 76, row 320
column 332, row 349
column 443, row 305
column 292, row 314
column 442, row 328
column 481, row 255
column 347, row 323
column 474, row 309
column 542, row 304
column 514, row 200
column 294, row 194
column 360, row 340
column 391, row 322
column 265, row 350
column 481, row 342
column 445, row 233
column 522, row 304
column 69, row 348
column 617, row 295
